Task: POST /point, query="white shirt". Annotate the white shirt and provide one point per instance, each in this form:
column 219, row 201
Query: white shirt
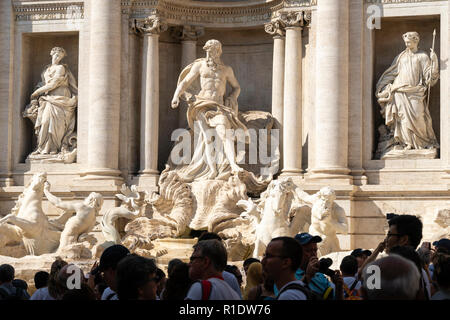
column 42, row 294
column 220, row 290
column 292, row 294
column 107, row 292
column 427, row 282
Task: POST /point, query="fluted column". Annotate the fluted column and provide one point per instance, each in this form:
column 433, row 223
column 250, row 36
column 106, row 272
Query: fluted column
column 6, row 31
column 150, row 27
column 331, row 139
column 104, row 90
column 277, row 29
column 188, row 36
column 292, row 113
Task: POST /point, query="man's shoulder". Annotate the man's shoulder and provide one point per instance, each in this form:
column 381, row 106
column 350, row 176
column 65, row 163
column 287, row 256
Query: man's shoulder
column 294, row 290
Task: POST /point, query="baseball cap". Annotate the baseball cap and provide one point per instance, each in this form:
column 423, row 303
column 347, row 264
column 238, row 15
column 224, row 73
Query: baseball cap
column 305, row 238
column 111, row 257
column 443, row 243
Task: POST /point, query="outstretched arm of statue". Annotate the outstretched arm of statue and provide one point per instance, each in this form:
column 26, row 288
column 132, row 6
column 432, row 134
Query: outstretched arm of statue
column 185, row 83
column 231, row 100
column 57, row 202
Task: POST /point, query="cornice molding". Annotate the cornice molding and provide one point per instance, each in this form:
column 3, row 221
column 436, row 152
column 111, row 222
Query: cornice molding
column 58, row 10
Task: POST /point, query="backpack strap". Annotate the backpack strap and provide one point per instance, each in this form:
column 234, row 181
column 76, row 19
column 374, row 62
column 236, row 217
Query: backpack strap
column 353, row 285
column 206, row 289
column 295, row 286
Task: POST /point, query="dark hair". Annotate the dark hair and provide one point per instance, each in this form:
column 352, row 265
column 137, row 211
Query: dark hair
column 409, row 253
column 410, row 226
column 160, row 274
column 178, row 284
column 6, row 273
column 172, row 264
column 85, row 293
column 249, row 261
column 442, row 271
column 349, row 265
column 291, row 249
column 209, row 236
column 234, row 271
column 215, row 251
column 41, row 279
column 132, row 273
column 19, row 283
column 57, row 265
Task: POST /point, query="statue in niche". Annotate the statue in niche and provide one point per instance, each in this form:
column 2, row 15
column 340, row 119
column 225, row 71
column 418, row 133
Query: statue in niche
column 402, row 93
column 52, row 111
column 209, row 110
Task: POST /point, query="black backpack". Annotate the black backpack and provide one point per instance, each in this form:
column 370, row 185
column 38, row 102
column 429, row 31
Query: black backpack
column 296, row 286
column 18, row 295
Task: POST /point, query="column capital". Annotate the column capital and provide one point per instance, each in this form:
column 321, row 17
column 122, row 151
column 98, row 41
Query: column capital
column 151, row 25
column 187, row 32
column 295, row 19
column 276, row 28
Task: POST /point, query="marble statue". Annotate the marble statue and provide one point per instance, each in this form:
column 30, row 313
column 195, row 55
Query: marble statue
column 277, row 213
column 402, row 93
column 52, row 111
column 27, row 224
column 209, row 110
column 79, row 217
column 133, row 205
column 327, row 218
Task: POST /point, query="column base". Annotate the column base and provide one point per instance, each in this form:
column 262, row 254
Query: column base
column 291, row 172
column 331, row 176
column 147, row 180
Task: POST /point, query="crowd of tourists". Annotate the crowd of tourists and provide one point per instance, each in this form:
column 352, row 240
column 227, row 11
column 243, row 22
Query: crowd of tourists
column 289, row 270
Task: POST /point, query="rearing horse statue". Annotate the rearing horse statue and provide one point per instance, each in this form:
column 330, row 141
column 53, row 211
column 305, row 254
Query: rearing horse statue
column 27, row 222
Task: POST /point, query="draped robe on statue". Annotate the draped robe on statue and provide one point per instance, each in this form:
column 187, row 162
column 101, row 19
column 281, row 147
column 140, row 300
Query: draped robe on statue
column 204, row 115
column 401, row 92
column 56, row 116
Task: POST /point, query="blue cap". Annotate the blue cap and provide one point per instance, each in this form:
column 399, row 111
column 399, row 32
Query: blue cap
column 305, row 238
column 443, row 243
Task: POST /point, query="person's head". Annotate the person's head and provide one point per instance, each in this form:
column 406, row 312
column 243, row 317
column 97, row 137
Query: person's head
column 442, row 272
column 161, row 280
column 69, row 275
column 282, row 257
column 209, row 258
column 136, row 278
column 349, row 266
column 19, row 283
column 57, row 54
column 108, row 263
column 235, row 271
column 57, row 265
column 398, row 279
column 173, row 263
column 213, row 48
column 367, row 253
column 248, row 262
column 41, row 279
column 6, row 273
column 309, row 247
column 209, row 236
column 359, row 255
column 404, row 230
column 178, row 284
column 442, row 245
column 411, row 39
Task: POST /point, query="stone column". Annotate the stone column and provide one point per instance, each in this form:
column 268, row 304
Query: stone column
column 292, row 113
column 6, row 27
column 104, row 91
column 150, row 27
column 188, row 35
column 331, row 161
column 277, row 29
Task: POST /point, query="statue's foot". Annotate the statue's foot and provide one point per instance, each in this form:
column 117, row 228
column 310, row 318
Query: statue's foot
column 52, row 152
column 38, row 151
column 408, row 147
column 235, row 170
